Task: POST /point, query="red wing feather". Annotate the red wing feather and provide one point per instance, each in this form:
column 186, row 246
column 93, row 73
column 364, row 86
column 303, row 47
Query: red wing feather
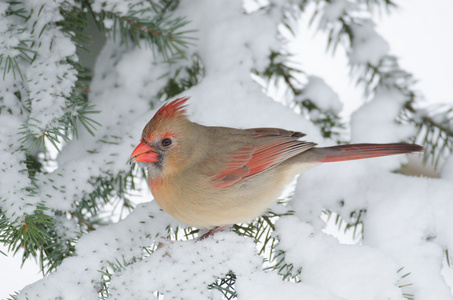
column 236, row 169
column 272, row 146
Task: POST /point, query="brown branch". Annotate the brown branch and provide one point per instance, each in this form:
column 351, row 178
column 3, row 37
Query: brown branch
column 142, row 27
column 91, row 227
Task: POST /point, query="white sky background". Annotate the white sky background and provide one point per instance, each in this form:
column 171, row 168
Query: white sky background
column 419, row 33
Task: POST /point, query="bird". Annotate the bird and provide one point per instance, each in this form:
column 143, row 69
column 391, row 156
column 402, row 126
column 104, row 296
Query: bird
column 211, row 177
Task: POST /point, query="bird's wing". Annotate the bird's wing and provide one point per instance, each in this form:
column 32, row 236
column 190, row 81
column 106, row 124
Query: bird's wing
column 270, row 147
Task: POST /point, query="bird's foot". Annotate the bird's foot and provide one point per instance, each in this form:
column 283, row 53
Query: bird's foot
column 212, row 232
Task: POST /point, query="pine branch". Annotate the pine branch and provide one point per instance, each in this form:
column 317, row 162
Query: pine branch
column 354, row 223
column 329, row 123
column 108, row 189
column 151, row 24
column 111, row 188
column 226, row 286
column 36, row 234
column 108, row 272
column 386, row 74
column 183, row 79
column 22, row 52
column 403, row 286
column 261, row 230
column 436, row 132
column 13, row 296
column 77, row 108
column 447, row 257
column 37, row 237
column 31, row 234
column 285, row 269
column 434, row 129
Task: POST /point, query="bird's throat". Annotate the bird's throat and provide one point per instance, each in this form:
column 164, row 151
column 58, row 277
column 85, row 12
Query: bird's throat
column 155, row 183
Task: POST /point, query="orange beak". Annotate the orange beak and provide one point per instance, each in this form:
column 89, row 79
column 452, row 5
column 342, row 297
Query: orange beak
column 144, row 153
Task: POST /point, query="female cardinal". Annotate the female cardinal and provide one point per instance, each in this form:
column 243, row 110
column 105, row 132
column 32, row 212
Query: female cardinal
column 210, row 177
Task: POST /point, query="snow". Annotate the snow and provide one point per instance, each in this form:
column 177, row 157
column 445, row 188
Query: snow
column 108, row 23
column 374, row 121
column 407, row 218
column 447, row 169
column 333, row 10
column 194, row 265
column 48, row 80
column 407, row 223
column 346, row 271
column 322, row 95
column 367, row 46
column 66, row 228
column 116, row 6
column 122, row 240
column 269, row 286
column 11, row 162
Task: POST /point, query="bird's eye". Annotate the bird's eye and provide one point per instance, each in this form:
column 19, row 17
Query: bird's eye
column 166, row 142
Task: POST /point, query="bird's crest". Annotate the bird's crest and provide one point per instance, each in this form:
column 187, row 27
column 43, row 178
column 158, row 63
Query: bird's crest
column 169, row 112
column 172, row 110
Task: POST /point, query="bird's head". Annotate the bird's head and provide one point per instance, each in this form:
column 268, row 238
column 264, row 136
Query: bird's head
column 162, row 143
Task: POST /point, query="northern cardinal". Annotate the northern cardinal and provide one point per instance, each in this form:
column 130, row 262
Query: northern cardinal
column 212, row 177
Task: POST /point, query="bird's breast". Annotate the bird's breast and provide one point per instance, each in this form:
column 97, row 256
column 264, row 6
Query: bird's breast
column 195, row 201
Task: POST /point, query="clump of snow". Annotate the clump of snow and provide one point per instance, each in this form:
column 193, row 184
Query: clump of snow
column 415, row 230
column 333, row 10
column 350, row 272
column 374, row 122
column 194, row 266
column 14, row 181
column 406, row 218
column 11, row 35
column 367, row 45
column 261, row 285
column 230, row 48
column 51, row 80
column 13, row 188
column 78, row 276
column 108, row 23
column 322, row 95
column 47, row 81
column 66, row 229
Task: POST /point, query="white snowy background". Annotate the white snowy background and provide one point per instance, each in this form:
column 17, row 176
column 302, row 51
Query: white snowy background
column 408, row 219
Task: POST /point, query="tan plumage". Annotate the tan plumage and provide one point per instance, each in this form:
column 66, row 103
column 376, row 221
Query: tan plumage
column 217, row 176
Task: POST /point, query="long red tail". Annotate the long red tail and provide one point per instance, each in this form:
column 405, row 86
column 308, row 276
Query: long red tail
column 360, row 151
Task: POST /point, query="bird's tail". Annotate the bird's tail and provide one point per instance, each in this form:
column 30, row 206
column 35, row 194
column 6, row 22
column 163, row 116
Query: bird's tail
column 360, row 151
